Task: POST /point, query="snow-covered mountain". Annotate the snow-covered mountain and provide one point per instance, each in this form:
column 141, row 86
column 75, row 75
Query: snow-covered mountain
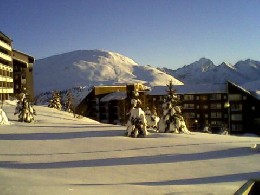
column 93, row 67
column 204, row 71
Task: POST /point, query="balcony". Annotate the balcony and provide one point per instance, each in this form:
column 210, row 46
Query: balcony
column 5, row 57
column 6, row 79
column 5, row 45
column 6, row 90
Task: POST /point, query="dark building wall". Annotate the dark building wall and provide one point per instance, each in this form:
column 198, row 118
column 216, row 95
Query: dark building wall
column 244, row 110
column 23, row 74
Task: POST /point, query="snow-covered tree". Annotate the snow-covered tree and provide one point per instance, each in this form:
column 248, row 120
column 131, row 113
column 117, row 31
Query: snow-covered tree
column 24, row 110
column 55, row 102
column 172, row 120
column 137, row 124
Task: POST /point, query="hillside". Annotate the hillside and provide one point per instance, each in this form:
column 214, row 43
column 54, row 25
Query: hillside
column 93, row 67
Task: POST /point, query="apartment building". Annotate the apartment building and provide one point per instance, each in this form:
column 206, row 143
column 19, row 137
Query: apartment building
column 16, row 71
column 217, row 105
column 23, row 74
column 6, row 67
column 110, row 104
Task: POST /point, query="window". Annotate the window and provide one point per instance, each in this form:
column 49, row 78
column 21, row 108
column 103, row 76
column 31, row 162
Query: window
column 236, row 117
column 216, row 114
column 203, row 97
column 216, row 123
column 205, row 106
column 236, row 107
column 190, row 115
column 188, row 106
column 188, row 97
column 215, row 96
column 237, row 127
column 235, row 97
column 215, row 106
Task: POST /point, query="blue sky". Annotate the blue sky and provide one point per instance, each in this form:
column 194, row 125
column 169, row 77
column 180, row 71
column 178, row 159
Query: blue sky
column 161, row 33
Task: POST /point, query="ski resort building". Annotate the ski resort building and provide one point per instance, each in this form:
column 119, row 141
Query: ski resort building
column 6, row 67
column 215, row 105
column 16, row 68
column 110, row 104
column 23, row 74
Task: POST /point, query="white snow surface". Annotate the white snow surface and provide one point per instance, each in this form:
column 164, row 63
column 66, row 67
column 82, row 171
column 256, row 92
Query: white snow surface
column 59, row 154
column 93, row 67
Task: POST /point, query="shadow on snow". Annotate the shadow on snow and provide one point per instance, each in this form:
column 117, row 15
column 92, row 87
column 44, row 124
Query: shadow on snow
column 138, row 160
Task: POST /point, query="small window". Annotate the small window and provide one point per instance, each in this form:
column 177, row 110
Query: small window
column 215, row 96
column 215, row 114
column 236, row 117
column 203, row 97
column 188, row 106
column 235, row 97
column 236, row 107
column 215, row 106
column 188, row 97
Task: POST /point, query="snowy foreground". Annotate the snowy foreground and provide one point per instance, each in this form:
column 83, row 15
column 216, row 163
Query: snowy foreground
column 61, row 155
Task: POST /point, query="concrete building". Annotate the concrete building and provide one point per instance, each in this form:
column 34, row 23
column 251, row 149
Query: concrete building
column 6, row 67
column 16, row 71
column 23, row 74
column 217, row 105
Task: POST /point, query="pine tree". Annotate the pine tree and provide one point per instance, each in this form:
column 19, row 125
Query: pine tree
column 172, row 119
column 55, row 102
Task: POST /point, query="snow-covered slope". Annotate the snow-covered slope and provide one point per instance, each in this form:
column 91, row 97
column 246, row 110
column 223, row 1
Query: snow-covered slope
column 93, row 67
column 59, row 154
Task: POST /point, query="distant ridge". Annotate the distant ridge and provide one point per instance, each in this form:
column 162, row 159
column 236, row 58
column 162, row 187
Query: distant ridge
column 204, row 71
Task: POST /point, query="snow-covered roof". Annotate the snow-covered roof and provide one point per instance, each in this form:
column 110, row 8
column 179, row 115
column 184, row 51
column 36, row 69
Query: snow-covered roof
column 251, row 90
column 114, row 96
column 190, row 89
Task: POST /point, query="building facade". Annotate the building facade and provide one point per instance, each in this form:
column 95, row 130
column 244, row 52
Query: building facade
column 16, row 71
column 6, row 67
column 215, row 105
column 23, row 74
column 110, row 104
